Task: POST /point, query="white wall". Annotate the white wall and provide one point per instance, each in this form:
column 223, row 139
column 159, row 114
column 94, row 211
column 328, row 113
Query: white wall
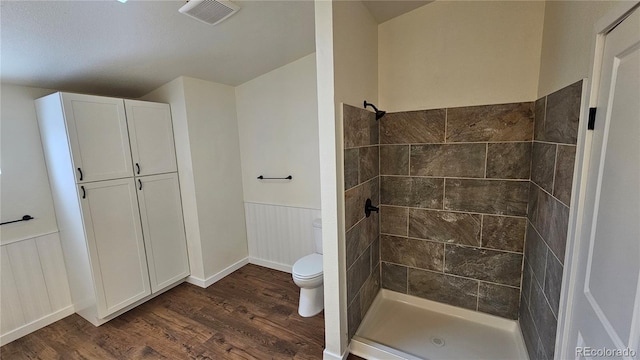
column 567, row 42
column 278, row 126
column 208, row 153
column 347, row 61
column 460, row 53
column 24, row 181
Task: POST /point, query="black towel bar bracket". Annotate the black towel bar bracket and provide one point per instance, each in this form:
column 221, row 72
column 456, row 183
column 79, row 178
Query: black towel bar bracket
column 24, row 218
column 261, row 177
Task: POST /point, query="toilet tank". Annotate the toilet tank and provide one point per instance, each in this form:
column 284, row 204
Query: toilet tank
column 317, row 235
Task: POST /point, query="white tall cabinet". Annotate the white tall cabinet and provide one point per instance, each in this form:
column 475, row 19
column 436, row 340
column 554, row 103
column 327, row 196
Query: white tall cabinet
column 113, row 173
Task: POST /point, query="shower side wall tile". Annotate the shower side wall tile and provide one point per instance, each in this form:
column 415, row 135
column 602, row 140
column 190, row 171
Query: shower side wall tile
column 509, row 160
column 393, row 220
column 412, row 252
column 450, row 160
column 500, row 197
column 556, row 127
column 394, row 277
column 413, row 127
column 448, row 227
column 490, row 123
column 498, row 300
column 361, row 171
column 412, row 191
column 484, row 264
column 394, row 159
column 503, row 233
column 448, row 289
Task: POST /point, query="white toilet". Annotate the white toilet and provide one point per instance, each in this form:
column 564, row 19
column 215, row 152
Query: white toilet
column 307, row 274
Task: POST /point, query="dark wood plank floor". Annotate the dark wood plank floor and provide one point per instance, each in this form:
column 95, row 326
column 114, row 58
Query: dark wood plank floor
column 250, row 314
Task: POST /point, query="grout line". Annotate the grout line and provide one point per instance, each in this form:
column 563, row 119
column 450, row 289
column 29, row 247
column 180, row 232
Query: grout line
column 555, row 169
column 554, row 143
column 481, row 228
column 455, row 177
column 457, row 143
column 444, row 191
column 548, row 193
column 478, row 296
column 409, row 164
column 486, row 160
column 446, row 120
column 408, row 216
column 455, row 211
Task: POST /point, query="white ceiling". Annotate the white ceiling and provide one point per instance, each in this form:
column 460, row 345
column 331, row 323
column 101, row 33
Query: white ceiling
column 110, row 48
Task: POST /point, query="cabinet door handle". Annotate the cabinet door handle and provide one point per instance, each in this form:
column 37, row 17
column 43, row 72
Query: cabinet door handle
column 139, row 184
column 84, row 193
column 138, row 168
column 80, row 171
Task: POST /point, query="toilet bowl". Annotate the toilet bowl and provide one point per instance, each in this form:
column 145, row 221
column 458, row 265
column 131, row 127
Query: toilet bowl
column 308, row 275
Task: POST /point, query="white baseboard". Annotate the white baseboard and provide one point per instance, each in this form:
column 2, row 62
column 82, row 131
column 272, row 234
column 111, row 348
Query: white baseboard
column 35, row 325
column 271, row 264
column 327, row 355
column 204, row 283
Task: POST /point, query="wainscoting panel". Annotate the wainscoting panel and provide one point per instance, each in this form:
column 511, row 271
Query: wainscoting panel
column 279, row 235
column 35, row 289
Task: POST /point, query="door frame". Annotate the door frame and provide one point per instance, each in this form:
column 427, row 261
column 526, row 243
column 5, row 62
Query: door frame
column 583, row 154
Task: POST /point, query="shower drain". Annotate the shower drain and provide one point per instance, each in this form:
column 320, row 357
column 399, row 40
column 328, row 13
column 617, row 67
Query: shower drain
column 437, row 341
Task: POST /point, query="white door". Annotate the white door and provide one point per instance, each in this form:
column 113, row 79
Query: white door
column 605, row 308
column 116, row 248
column 163, row 228
column 99, row 138
column 151, row 134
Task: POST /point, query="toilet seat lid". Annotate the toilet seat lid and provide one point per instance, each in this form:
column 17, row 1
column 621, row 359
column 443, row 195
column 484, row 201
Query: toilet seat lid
column 308, row 267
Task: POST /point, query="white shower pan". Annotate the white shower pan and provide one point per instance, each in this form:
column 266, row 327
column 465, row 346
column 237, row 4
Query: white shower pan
column 399, row 326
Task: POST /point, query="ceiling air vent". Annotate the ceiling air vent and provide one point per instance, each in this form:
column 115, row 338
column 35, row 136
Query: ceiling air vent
column 209, row 11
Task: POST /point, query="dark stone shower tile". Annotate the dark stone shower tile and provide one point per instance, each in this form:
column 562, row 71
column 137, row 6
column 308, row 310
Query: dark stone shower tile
column 375, row 253
column 543, row 317
column 509, row 160
column 355, row 199
column 542, row 165
column 536, row 253
column 501, row 197
column 443, row 288
column 526, row 283
column 354, row 316
column 504, row 122
column 360, row 127
column 551, row 218
column 529, row 333
column 411, row 127
column 369, row 291
column 564, row 173
column 503, row 233
column 394, row 220
column 539, row 110
column 553, row 282
column 449, row 227
column 411, row 252
column 411, row 191
column 351, row 157
column 394, row 159
column 463, row 160
column 499, row 300
column 357, row 274
column 483, row 264
column 562, row 115
column 394, row 277
column 368, row 163
column 360, row 237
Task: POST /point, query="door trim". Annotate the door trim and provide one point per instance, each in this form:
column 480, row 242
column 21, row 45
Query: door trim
column 603, row 26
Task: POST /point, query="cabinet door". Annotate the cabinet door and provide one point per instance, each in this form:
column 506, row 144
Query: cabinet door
column 151, row 134
column 163, row 227
column 98, row 136
column 114, row 237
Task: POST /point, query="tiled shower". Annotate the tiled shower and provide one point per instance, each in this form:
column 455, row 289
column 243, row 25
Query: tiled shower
column 473, row 208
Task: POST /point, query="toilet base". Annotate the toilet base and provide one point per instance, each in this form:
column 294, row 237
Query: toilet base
column 311, row 301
